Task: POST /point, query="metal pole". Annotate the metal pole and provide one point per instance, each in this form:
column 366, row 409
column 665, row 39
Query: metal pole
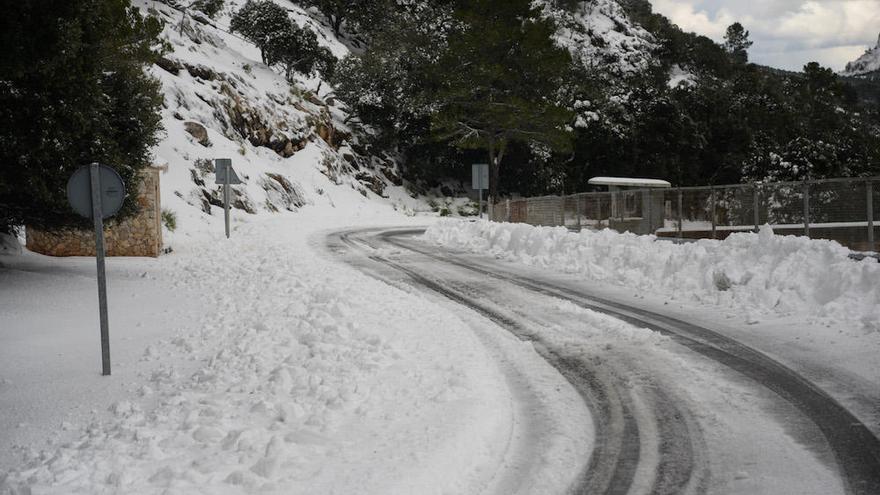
column 807, row 208
column 870, row 188
column 507, row 209
column 646, row 209
column 714, row 221
column 481, row 203
column 562, row 209
column 755, row 205
column 679, row 213
column 598, row 211
column 226, row 198
column 98, row 216
column 577, row 210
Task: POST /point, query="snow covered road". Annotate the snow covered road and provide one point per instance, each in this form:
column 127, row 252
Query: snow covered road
column 677, row 407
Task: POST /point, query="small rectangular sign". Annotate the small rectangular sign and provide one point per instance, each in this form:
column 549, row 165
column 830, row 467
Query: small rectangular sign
column 221, row 165
column 480, row 176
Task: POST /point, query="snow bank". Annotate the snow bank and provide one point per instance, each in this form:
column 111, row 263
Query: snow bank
column 297, row 376
column 756, row 273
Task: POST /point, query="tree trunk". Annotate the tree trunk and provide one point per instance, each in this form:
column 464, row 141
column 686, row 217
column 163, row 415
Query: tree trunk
column 337, row 24
column 496, row 154
column 493, row 173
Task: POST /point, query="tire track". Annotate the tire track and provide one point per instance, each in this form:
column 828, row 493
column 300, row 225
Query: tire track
column 855, row 447
column 612, row 467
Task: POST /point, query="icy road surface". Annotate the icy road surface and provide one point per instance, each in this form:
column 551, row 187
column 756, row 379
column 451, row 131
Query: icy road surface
column 676, row 407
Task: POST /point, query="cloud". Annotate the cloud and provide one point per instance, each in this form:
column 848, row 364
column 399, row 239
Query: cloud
column 787, row 33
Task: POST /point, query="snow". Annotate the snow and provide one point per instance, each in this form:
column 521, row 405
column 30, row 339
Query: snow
column 628, row 182
column 867, row 63
column 679, row 77
column 755, row 273
column 255, row 364
column 600, row 34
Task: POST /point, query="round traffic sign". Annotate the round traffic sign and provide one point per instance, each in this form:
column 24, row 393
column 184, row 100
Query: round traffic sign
column 111, row 189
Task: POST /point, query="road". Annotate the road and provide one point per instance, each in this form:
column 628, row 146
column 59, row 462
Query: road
column 676, row 407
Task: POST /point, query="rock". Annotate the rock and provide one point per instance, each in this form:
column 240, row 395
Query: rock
column 168, row 65
column 202, row 72
column 281, row 193
column 198, row 131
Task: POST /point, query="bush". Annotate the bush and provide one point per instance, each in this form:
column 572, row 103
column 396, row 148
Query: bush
column 169, row 219
column 281, row 41
column 209, row 7
column 74, row 91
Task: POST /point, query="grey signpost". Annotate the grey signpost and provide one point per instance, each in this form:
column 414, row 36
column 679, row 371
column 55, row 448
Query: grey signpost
column 224, row 174
column 480, row 180
column 97, row 192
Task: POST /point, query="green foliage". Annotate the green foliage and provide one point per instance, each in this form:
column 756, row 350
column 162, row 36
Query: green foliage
column 444, row 82
column 280, row 40
column 737, row 43
column 169, row 219
column 73, row 92
column 356, row 14
column 209, row 7
column 509, row 90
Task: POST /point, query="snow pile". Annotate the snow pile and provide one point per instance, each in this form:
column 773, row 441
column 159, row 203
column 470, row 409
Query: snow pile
column 867, row 63
column 762, row 272
column 299, row 376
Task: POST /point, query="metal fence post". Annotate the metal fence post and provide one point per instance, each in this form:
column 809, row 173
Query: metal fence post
column 562, row 210
column 712, row 201
column 870, row 188
column 646, row 209
column 577, row 210
column 507, row 205
column 598, row 211
column 755, row 206
column 679, row 213
column 807, row 208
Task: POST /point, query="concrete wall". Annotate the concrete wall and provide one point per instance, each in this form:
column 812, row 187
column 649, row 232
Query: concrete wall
column 140, row 235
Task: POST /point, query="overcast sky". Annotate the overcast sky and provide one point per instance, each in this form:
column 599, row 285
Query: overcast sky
column 787, row 33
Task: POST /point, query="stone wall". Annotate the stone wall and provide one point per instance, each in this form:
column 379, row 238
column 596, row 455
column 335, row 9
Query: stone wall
column 140, row 235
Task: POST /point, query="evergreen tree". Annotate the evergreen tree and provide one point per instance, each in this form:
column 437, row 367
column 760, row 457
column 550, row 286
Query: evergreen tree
column 73, row 92
column 499, row 81
column 356, row 13
column 261, row 22
column 281, row 41
column 737, row 43
column 209, row 7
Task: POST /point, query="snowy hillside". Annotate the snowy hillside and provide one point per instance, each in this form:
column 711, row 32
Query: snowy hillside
column 288, row 142
column 866, row 64
column 600, row 35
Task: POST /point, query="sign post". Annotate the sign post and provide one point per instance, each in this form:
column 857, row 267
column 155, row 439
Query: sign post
column 480, row 180
column 97, row 192
column 224, row 174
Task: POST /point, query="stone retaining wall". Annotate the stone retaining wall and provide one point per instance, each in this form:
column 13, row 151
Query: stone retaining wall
column 140, row 235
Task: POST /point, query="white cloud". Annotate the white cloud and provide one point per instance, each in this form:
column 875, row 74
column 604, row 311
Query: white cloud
column 787, row 33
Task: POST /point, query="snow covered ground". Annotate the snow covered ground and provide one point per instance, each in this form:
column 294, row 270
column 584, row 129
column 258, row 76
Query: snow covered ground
column 755, row 273
column 803, row 302
column 253, row 364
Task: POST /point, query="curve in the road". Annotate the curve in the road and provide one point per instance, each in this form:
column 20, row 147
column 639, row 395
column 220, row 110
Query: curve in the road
column 613, row 464
column 855, row 447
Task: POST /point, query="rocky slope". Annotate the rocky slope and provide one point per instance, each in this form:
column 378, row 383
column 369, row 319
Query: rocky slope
column 288, row 140
column 867, row 66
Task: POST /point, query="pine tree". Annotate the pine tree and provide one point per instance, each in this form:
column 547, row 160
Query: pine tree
column 281, row 41
column 209, row 7
column 260, row 22
column 499, row 81
column 356, row 13
column 74, row 92
column 737, row 43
